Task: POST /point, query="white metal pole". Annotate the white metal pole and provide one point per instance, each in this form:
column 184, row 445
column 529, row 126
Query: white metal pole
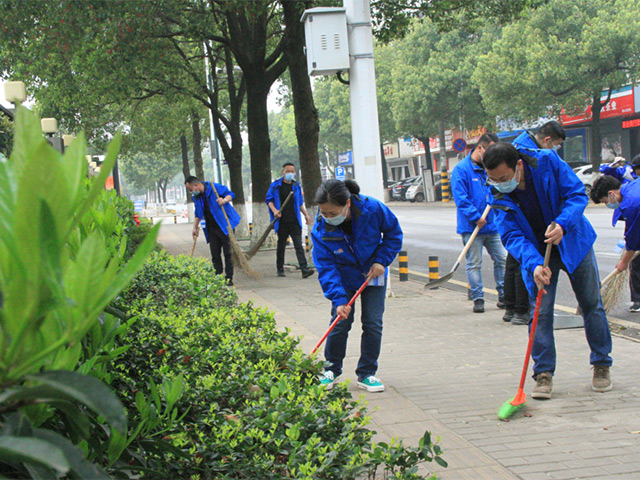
column 365, row 133
column 213, row 144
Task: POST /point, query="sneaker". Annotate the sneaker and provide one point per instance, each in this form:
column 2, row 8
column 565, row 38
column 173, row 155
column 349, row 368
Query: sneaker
column 635, row 307
column 601, row 379
column 478, row 306
column 508, row 315
column 500, row 303
column 229, row 282
column 544, row 386
column 371, row 384
column 520, row 319
column 307, row 272
column 281, row 273
column 328, row 379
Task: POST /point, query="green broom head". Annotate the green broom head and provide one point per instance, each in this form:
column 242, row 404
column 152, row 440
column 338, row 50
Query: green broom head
column 512, row 406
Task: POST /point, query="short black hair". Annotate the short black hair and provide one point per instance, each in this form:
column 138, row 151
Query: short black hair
column 635, row 161
column 287, row 164
column 602, row 186
column 488, row 138
column 192, row 180
column 552, row 129
column 500, row 153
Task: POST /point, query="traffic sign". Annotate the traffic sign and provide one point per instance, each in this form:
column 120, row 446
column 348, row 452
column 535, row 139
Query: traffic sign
column 340, row 173
column 459, row 145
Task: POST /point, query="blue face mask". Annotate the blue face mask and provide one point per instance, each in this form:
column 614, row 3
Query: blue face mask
column 289, row 177
column 508, row 186
column 337, row 220
column 613, row 205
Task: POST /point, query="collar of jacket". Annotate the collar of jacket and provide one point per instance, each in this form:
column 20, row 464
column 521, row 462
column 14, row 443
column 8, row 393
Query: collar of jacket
column 532, row 162
column 356, row 212
column 533, row 138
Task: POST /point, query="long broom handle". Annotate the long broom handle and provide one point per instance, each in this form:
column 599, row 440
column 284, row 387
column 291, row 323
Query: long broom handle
column 339, row 317
column 536, row 313
column 471, row 238
column 256, row 246
column 223, row 210
column 194, row 245
column 615, row 272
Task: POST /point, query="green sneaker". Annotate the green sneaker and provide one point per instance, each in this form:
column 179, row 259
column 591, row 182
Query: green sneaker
column 371, row 384
column 328, row 379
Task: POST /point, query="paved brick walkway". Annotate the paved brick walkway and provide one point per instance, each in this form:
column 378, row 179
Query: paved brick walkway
column 448, row 371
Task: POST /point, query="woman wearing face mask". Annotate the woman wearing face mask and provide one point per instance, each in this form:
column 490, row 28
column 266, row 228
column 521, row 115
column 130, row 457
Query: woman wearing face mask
column 355, row 237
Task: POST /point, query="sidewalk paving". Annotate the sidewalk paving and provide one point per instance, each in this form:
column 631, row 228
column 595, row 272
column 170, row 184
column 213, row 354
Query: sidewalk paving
column 448, row 370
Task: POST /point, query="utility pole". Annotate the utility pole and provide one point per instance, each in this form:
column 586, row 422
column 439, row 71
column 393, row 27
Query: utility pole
column 365, row 133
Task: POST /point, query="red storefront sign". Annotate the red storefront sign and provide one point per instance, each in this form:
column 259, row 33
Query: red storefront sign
column 621, row 103
column 631, row 123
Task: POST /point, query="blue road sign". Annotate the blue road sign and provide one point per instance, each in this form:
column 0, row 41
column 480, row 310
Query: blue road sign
column 340, row 173
column 459, row 145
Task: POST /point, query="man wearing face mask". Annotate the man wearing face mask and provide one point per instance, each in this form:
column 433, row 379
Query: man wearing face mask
column 209, row 205
column 529, row 193
column 288, row 220
column 550, row 135
column 468, row 184
column 625, row 200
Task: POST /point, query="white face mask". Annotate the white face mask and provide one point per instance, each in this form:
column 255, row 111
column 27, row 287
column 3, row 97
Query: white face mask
column 555, row 148
column 337, row 220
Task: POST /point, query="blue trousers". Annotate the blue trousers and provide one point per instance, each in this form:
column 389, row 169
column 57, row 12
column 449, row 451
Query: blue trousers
column 372, row 304
column 585, row 282
column 474, row 263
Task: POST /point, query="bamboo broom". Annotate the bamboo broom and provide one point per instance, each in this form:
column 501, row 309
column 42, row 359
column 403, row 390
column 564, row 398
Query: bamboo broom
column 253, row 250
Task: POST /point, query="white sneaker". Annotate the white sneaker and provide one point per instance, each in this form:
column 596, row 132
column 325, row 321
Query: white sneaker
column 328, row 379
column 371, row 384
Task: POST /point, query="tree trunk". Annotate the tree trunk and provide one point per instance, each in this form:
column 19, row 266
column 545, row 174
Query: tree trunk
column 306, row 114
column 234, row 162
column 260, row 151
column 197, row 145
column 596, row 137
column 385, row 174
column 186, row 171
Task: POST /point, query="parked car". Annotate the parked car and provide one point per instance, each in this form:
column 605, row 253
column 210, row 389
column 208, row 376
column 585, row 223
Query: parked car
column 400, row 189
column 415, row 191
column 584, row 173
column 390, row 185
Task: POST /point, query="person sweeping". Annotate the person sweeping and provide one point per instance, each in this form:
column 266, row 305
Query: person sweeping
column 355, row 239
column 540, row 200
column 209, row 207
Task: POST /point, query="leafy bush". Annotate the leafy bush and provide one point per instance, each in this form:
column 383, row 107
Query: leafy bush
column 250, row 402
column 61, row 264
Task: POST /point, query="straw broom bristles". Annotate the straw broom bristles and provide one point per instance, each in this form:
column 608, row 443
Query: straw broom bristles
column 613, row 290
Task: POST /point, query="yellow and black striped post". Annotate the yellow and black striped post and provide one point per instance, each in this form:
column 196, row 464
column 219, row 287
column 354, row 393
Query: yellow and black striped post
column 403, row 260
column 433, row 268
column 306, row 243
column 175, row 219
column 446, row 193
column 250, row 228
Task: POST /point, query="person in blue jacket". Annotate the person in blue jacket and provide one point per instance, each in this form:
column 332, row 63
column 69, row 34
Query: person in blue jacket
column 621, row 170
column 355, row 238
column 209, row 207
column 468, row 185
column 625, row 174
column 550, row 136
column 288, row 221
column 532, row 189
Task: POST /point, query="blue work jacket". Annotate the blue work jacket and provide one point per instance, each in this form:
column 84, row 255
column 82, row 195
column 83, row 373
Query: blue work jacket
column 526, row 140
column 343, row 261
column 273, row 195
column 629, row 212
column 562, row 199
column 624, row 174
column 470, row 189
column 216, row 210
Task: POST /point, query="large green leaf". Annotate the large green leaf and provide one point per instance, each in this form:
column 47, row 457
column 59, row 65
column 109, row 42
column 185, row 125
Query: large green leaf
column 88, row 391
column 16, row 450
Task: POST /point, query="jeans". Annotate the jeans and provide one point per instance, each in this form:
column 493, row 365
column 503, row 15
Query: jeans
column 372, row 304
column 293, row 230
column 585, row 283
column 516, row 296
column 219, row 243
column 474, row 263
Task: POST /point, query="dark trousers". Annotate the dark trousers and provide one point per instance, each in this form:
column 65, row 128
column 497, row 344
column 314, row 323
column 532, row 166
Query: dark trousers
column 218, row 244
column 293, row 230
column 634, row 279
column 516, row 296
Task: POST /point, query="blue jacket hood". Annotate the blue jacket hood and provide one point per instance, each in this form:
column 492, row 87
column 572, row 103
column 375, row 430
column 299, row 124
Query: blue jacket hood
column 343, row 261
column 629, row 211
column 470, row 191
